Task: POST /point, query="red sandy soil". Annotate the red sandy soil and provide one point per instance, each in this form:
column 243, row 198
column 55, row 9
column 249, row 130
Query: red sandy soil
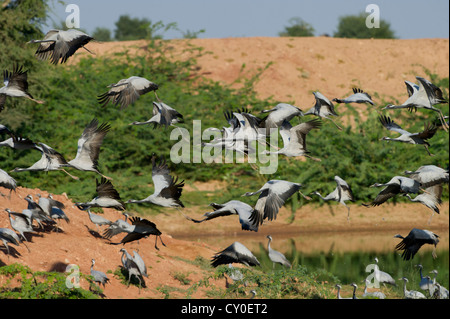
column 299, row 66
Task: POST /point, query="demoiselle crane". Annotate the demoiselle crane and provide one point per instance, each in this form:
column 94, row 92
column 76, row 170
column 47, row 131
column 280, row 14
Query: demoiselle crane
column 278, row 114
column 233, row 207
column 37, row 213
column 424, row 281
column 358, row 96
column 275, row 256
column 372, row 294
column 423, row 97
column 294, row 139
column 8, row 182
column 341, row 194
column 19, row 143
column 117, row 227
column 107, row 196
column 134, row 265
column 59, row 45
column 419, row 138
column 411, row 294
column 99, row 276
column 235, row 253
column 429, row 175
column 272, row 196
column 414, row 241
column 98, row 220
column 323, row 108
column 167, row 192
column 127, row 91
column 163, row 115
column 382, row 277
column 20, row 222
column 397, row 185
column 438, row 291
column 8, row 236
column 15, row 85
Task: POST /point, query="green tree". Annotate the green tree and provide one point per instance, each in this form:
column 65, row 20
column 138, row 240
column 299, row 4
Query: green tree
column 297, row 28
column 102, row 34
column 128, row 28
column 354, row 26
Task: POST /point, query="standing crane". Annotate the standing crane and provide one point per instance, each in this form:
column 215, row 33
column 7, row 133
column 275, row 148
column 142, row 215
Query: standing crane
column 98, row 220
column 20, row 222
column 8, row 236
column 59, row 45
column 414, row 240
column 275, row 256
column 16, row 85
column 341, row 194
column 372, row 294
column 6, row 181
column 411, row 294
column 134, row 265
column 127, row 91
column 99, row 276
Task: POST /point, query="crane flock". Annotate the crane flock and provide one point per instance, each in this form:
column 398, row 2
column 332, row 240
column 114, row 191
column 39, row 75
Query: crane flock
column 58, row 46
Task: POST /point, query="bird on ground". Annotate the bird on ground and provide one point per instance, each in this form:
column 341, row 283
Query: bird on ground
column 37, row 213
column 358, row 96
column 355, row 286
column 6, row 181
column 323, row 108
column 397, row 185
column 163, row 115
column 59, row 45
column 382, row 276
column 407, row 137
column 8, row 236
column 438, row 291
column 235, row 253
column 20, row 222
column 341, row 194
column 88, row 149
column 272, row 196
column 411, row 294
column 275, row 256
column 414, row 241
column 135, row 266
column 99, row 276
column 278, row 114
column 235, row 274
column 294, row 139
column 98, row 220
column 107, row 197
column 424, row 281
column 339, row 287
column 423, row 96
column 372, row 294
column 56, row 214
column 15, row 85
column 167, row 192
column 233, row 207
column 142, row 228
column 126, row 91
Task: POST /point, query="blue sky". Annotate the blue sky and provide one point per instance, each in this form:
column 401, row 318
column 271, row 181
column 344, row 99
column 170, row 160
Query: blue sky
column 410, row 19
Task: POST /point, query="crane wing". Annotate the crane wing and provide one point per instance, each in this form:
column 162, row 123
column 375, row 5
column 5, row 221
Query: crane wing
column 389, row 124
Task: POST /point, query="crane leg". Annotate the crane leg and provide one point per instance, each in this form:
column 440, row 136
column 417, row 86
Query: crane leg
column 74, row 177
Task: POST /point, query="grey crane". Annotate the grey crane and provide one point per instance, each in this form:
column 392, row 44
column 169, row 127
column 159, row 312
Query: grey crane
column 167, row 192
column 20, row 222
column 272, row 196
column 294, row 139
column 397, row 185
column 429, row 175
column 372, row 294
column 323, row 108
column 423, row 96
column 411, row 294
column 275, row 256
column 8, row 182
column 8, row 236
column 419, row 138
column 245, row 125
column 107, row 196
column 59, row 45
column 338, row 296
column 424, row 281
column 98, row 220
column 278, row 114
column 163, row 115
column 37, row 213
column 88, row 147
column 358, row 96
column 431, row 198
column 117, row 227
column 437, row 290
column 127, row 91
column 99, row 276
column 142, row 228
column 415, row 240
column 134, row 265
column 341, row 194
column 382, row 276
column 233, row 207
column 235, row 253
column 15, row 85
column 18, row 142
